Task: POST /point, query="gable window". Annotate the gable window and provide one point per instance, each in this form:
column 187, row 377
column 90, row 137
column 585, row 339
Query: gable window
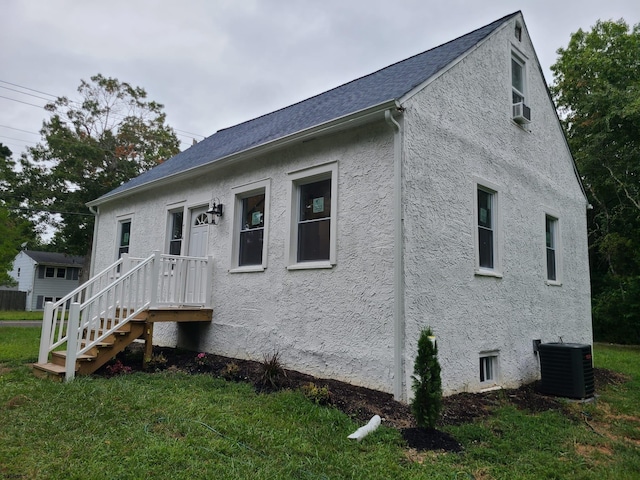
column 175, row 233
column 551, row 248
column 124, row 237
column 312, row 239
column 251, row 214
column 487, row 231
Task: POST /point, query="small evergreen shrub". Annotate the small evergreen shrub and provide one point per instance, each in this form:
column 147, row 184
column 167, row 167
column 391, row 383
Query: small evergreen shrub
column 427, row 385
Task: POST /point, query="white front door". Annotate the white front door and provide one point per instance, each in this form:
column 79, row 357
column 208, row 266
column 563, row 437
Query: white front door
column 198, row 233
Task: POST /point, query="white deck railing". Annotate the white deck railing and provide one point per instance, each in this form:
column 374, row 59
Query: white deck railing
column 119, row 293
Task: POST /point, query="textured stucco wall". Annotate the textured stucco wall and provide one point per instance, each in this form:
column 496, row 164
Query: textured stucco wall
column 329, row 322
column 459, row 130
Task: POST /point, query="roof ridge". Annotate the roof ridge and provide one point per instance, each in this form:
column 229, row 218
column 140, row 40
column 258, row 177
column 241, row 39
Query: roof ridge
column 500, row 20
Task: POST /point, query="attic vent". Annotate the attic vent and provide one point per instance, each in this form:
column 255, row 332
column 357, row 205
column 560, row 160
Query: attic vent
column 518, row 31
column 566, row 370
column 521, row 113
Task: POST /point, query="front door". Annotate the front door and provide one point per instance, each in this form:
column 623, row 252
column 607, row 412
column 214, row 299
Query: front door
column 198, row 233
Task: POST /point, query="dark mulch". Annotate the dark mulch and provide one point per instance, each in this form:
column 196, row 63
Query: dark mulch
column 358, row 402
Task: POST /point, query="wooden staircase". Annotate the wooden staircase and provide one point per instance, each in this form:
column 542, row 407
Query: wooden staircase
column 140, row 327
column 99, row 354
column 119, row 305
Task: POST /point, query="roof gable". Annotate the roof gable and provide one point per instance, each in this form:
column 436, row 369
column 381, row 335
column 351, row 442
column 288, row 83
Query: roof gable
column 388, row 84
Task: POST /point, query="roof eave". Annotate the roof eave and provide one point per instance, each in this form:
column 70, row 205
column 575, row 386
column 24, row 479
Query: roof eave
column 341, row 123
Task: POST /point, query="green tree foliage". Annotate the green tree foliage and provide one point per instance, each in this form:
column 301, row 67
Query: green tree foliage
column 597, row 88
column 14, row 230
column 112, row 134
column 427, row 385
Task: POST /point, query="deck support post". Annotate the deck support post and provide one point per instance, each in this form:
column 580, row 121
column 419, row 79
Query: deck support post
column 148, row 344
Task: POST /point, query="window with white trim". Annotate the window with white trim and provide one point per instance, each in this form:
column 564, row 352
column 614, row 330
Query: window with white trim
column 487, row 230
column 517, row 79
column 489, row 368
column 176, row 221
column 552, row 243
column 124, row 236
column 312, row 236
column 251, row 220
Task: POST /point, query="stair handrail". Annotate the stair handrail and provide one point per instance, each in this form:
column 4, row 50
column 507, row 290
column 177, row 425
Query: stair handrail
column 55, row 313
column 109, row 309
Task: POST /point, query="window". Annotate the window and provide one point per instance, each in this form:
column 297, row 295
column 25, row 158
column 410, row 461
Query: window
column 487, row 231
column 552, row 251
column 312, row 239
column 124, row 237
column 49, row 272
column 251, row 219
column 517, row 79
column 175, row 233
column 489, row 368
column 61, row 273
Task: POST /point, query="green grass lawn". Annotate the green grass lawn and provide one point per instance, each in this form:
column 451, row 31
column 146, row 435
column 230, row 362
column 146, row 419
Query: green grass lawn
column 19, row 315
column 173, row 425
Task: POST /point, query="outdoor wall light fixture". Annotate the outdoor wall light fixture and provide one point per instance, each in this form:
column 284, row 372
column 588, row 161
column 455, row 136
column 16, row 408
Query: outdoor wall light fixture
column 215, row 212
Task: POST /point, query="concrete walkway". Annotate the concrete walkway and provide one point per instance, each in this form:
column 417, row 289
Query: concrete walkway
column 21, row 323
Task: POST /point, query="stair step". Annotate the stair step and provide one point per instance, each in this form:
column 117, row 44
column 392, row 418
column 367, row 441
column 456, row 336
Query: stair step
column 60, row 357
column 49, row 370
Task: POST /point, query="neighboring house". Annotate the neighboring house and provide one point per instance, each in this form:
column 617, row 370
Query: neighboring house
column 45, row 276
column 438, row 191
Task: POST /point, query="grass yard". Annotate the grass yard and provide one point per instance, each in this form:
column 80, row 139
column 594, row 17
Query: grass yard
column 174, row 425
column 19, row 315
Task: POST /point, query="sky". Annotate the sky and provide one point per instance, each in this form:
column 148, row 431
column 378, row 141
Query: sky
column 216, row 63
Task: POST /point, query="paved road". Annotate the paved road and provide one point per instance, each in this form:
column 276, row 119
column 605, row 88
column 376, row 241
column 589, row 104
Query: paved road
column 21, row 323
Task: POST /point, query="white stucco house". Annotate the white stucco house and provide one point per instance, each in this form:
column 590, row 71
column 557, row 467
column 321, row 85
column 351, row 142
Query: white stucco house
column 438, row 191
column 45, row 276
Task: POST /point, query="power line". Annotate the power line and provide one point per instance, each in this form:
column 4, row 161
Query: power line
column 19, row 129
column 184, row 133
column 20, row 101
column 27, row 88
column 24, row 93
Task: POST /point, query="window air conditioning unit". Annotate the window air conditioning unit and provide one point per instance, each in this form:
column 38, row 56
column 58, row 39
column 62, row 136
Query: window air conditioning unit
column 521, row 113
column 566, row 370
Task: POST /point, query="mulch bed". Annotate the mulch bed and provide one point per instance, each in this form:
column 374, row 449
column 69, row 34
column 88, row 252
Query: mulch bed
column 358, row 402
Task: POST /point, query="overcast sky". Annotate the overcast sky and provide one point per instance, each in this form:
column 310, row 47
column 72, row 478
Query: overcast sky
column 216, row 63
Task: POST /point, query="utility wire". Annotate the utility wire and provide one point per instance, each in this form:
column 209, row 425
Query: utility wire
column 57, row 96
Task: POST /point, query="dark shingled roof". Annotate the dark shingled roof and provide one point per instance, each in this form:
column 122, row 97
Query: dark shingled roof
column 51, row 258
column 388, row 84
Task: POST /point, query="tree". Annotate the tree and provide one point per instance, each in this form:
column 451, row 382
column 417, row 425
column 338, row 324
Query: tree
column 112, row 134
column 427, row 385
column 597, row 88
column 14, row 230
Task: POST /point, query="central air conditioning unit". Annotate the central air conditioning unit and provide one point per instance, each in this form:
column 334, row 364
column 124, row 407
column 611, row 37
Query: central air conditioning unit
column 566, row 370
column 521, row 113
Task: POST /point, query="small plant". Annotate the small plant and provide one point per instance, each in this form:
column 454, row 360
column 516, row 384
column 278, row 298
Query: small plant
column 231, row 371
column 117, row 368
column 318, row 395
column 427, row 385
column 272, row 371
column 202, row 363
column 157, row 362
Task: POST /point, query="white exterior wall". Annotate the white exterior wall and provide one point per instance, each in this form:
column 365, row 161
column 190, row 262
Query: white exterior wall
column 27, row 273
column 459, row 131
column 327, row 322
